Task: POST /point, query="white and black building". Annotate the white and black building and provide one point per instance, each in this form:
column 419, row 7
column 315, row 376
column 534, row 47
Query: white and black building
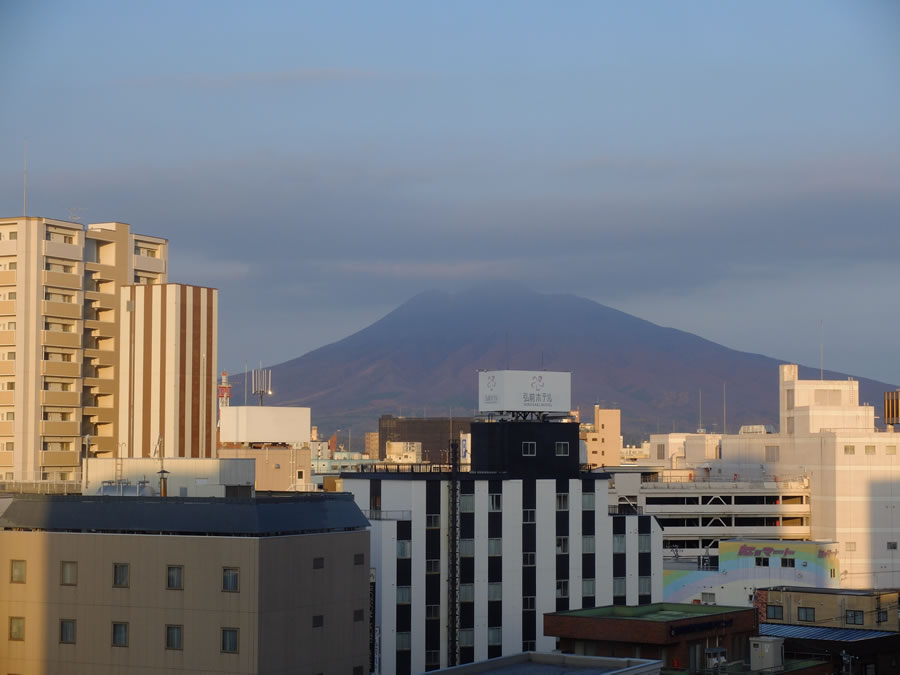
column 466, row 564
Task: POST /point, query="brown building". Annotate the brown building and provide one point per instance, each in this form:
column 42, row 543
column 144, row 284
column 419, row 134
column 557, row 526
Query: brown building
column 112, row 585
column 433, row 432
column 828, row 607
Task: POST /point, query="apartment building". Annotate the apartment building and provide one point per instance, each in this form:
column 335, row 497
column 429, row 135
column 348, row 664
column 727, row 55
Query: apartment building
column 106, row 585
column 828, row 607
column 603, row 438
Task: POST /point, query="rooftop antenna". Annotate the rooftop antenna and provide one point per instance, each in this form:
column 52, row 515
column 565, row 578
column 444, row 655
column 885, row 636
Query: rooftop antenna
column 700, row 411
column 724, row 409
column 73, row 213
column 821, row 350
column 25, row 181
column 246, row 373
column 262, row 382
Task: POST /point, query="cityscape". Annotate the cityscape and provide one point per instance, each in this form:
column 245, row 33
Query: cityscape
column 405, row 338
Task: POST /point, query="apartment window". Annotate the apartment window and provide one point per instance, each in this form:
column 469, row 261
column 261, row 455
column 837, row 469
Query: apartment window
column 433, row 522
column 588, row 588
column 466, row 548
column 403, row 595
column 562, row 448
column 230, row 641
column 850, row 546
column 174, row 637
column 495, row 502
column 660, row 451
column 433, row 566
column 643, row 543
column 404, row 641
column 231, row 577
column 10, row 447
column 562, row 588
column 528, row 602
column 467, row 503
column 67, row 631
column 56, row 386
column 404, row 548
column 318, row 563
column 10, row 356
column 587, row 544
column 175, row 577
column 772, row 452
column 643, row 585
column 870, row 449
column 618, row 586
column 761, row 562
column 120, row 575
column 708, row 598
column 528, row 515
column 775, row 612
column 13, row 236
column 10, row 416
column 562, row 501
column 587, row 501
column 432, row 658
column 68, row 573
column 57, row 446
column 359, row 558
column 528, row 559
column 495, row 591
column 528, row 646
column 529, row 449
column 849, row 449
column 432, row 611
column 467, row 592
column 890, row 449
column 119, row 634
column 11, row 295
column 300, row 475
column 495, row 547
column 618, row 543
column 787, row 562
column 562, row 545
column 806, row 614
column 17, row 571
column 467, row 637
column 892, row 546
column 854, row 617
column 318, row 620
column 495, row 636
column 17, row 628
column 882, row 615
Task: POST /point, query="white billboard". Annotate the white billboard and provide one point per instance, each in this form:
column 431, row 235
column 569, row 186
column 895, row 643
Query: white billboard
column 524, row 390
column 264, row 424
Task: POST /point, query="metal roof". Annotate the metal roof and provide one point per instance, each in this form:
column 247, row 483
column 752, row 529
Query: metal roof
column 821, row 632
column 253, row 517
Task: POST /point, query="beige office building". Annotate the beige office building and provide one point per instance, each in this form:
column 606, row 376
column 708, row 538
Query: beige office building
column 107, row 585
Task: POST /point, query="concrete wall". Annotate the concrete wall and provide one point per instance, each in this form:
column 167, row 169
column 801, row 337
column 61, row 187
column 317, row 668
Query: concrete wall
column 187, row 477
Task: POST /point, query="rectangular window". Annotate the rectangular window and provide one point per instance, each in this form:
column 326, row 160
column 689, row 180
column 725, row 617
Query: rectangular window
column 175, row 577
column 587, row 501
column 618, row 586
column 433, row 566
column 119, row 634
column 562, row 588
column 467, row 637
column 17, row 572
column 17, row 628
column 495, row 502
column 528, row 515
column 433, row 521
column 432, row 658
column 892, row 546
column 495, row 636
column 772, row 452
column 562, row 545
column 528, row 602
column 643, row 543
column 528, row 646
column 618, row 543
column 359, row 558
column 587, row 588
column 806, row 614
column 643, row 585
column 467, row 592
column 231, row 577
column 318, row 620
column 854, row 617
column 761, row 562
column 708, row 598
column 230, row 643
column 120, row 575
column 467, row 503
column 562, row 448
column 850, row 546
column 562, row 501
column 68, row 573
column 882, row 615
column 660, row 451
column 775, row 612
column 404, row 641
column 67, row 631
column 318, row 563
column 890, row 449
column 529, row 449
column 403, row 595
column 404, row 548
column 528, row 559
column 870, row 449
column 466, row 548
column 431, row 612
column 495, row 591
column 174, row 637
column 849, row 449
column 587, row 543
column 787, row 562
column 495, row 547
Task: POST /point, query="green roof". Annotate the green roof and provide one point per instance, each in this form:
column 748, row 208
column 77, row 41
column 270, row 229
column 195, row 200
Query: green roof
column 659, row 611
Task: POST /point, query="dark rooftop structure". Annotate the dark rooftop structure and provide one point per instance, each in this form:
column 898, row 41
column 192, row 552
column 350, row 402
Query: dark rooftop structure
column 250, row 517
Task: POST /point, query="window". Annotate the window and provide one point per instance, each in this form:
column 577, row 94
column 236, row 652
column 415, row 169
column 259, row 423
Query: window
column 528, row 602
column 529, row 449
column 806, row 614
column 890, row 449
column 892, row 546
column 562, row 588
column 562, row 501
column 433, row 521
column 495, row 547
column 562, row 545
column 587, row 587
column 854, row 617
column 403, row 595
column 708, row 598
column 528, row 646
column 318, row 620
column 13, row 236
column 618, row 586
column 119, row 634
column 432, row 658
column 643, row 585
column 618, row 543
column 431, row 612
column 467, row 592
column 17, row 628
column 68, row 573
column 528, row 515
column 587, row 543
column 772, row 452
column 562, row 448
column 849, row 449
column 466, row 547
column 761, row 562
column 528, row 559
column 231, row 579
column 433, row 566
column 10, row 416
column 404, row 641
column 587, row 501
column 467, row 637
column 495, row 591
column 643, row 543
column 67, row 631
column 787, row 562
column 17, row 572
column 230, row 641
column 495, row 502
column 359, row 558
column 495, row 636
column 404, row 548
column 174, row 577
column 174, row 637
column 850, row 546
column 318, row 563
column 775, row 612
column 882, row 615
column 660, row 451
column 120, row 575
column 10, row 356
column 870, row 449
column 467, row 503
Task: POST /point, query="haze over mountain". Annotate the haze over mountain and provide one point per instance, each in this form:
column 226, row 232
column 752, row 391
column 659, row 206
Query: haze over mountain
column 422, row 358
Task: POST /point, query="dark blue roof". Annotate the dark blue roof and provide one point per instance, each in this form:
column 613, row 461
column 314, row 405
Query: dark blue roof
column 821, row 632
column 253, row 517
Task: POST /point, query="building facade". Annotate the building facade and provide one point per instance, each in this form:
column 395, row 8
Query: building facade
column 434, row 433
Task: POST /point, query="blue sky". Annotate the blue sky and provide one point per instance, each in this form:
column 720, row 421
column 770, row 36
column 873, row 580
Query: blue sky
column 731, row 169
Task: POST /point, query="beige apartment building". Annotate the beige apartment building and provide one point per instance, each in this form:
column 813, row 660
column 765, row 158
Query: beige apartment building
column 106, row 585
column 830, row 607
column 603, row 439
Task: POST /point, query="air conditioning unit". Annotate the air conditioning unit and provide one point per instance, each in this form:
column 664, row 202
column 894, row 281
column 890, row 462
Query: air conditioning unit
column 766, row 652
column 714, row 657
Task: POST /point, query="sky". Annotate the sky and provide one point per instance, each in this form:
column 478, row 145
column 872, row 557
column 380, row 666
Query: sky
column 729, row 169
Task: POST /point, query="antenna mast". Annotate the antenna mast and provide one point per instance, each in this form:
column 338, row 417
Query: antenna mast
column 821, row 350
column 25, row 181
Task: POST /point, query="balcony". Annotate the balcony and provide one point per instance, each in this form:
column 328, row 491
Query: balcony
column 64, row 398
column 70, row 310
column 7, row 337
column 55, row 338
column 7, row 278
column 7, row 397
column 60, row 428
column 9, row 247
column 625, row 510
column 7, row 367
column 143, row 263
column 57, row 249
column 6, row 458
column 61, row 458
column 7, row 428
column 61, row 368
column 7, row 307
column 62, row 280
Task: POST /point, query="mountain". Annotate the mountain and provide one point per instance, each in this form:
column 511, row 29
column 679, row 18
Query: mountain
column 422, row 358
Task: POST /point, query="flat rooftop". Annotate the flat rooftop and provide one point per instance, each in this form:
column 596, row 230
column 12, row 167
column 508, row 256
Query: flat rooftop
column 659, row 611
column 545, row 663
column 830, row 591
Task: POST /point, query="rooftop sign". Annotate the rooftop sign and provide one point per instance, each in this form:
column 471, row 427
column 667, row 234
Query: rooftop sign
column 524, row 391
